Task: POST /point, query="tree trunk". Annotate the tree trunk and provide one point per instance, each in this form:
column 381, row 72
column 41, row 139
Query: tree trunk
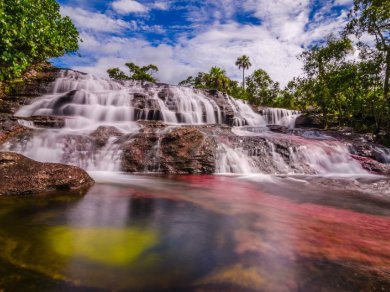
column 387, row 76
column 386, row 89
column 243, row 78
column 324, row 93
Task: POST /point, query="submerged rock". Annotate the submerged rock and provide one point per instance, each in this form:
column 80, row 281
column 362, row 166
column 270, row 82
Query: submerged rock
column 20, row 175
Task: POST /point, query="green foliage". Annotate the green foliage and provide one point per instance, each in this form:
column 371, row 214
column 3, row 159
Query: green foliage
column 261, row 88
column 373, row 17
column 137, row 73
column 117, row 74
column 320, row 63
column 215, row 79
column 32, row 31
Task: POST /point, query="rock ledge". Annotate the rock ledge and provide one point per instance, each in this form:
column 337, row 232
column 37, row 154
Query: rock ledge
column 20, row 175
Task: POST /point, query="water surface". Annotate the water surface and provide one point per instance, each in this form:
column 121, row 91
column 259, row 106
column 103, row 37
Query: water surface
column 197, row 233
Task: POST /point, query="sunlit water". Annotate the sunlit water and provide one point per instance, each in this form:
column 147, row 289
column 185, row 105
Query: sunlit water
column 197, row 233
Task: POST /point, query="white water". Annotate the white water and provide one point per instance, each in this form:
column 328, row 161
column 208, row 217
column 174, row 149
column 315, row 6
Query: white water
column 280, row 116
column 233, row 161
column 87, row 102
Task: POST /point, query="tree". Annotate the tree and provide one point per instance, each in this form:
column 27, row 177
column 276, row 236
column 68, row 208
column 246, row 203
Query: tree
column 216, row 79
column 137, row 73
column 319, row 62
column 243, row 63
column 117, row 74
column 261, row 88
column 373, row 17
column 31, row 32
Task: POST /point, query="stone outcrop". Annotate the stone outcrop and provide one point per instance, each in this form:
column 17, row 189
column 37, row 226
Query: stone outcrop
column 180, row 150
column 20, row 175
column 35, row 83
column 309, row 120
column 102, row 134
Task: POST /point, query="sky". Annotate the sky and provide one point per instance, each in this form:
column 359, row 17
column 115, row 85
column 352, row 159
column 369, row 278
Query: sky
column 186, row 37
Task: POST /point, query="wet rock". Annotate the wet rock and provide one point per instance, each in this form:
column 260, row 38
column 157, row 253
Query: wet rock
column 20, row 175
column 165, row 94
column 188, row 150
column 151, row 126
column 146, row 108
column 373, row 166
column 309, row 120
column 138, row 95
column 181, row 150
column 102, row 134
column 222, row 101
column 50, row 122
column 9, row 128
column 58, row 107
column 277, row 128
column 137, row 152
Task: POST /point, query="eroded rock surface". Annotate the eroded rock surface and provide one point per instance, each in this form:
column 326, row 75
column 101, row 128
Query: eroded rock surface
column 20, row 175
column 34, row 84
column 177, row 150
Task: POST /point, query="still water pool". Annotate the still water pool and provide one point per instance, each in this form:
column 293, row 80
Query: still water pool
column 197, row 233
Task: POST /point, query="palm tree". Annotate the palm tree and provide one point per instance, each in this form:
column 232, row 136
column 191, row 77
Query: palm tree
column 244, row 63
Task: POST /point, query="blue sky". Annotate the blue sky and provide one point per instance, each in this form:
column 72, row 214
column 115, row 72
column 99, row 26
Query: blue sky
column 185, row 37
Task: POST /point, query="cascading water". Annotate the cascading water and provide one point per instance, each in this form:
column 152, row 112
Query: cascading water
column 231, row 160
column 280, row 116
column 90, row 105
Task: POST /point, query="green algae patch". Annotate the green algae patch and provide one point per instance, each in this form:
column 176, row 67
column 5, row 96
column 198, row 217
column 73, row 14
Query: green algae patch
column 115, row 247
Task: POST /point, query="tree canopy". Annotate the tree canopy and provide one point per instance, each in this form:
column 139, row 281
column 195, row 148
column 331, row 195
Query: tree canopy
column 32, row 31
column 139, row 73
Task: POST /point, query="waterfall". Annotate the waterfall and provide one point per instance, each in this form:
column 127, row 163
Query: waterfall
column 90, row 106
column 231, row 160
column 280, row 116
column 269, row 153
column 87, row 103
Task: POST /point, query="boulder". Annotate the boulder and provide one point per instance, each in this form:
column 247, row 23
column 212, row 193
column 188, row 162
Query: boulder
column 278, row 128
column 309, row 120
column 180, row 150
column 188, row 150
column 20, row 175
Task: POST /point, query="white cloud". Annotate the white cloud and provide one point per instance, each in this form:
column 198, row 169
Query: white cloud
column 273, row 45
column 125, row 7
column 161, row 5
column 344, row 2
column 219, row 46
column 86, row 20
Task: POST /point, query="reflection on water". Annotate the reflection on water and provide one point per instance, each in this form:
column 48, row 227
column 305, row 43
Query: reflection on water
column 197, row 233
